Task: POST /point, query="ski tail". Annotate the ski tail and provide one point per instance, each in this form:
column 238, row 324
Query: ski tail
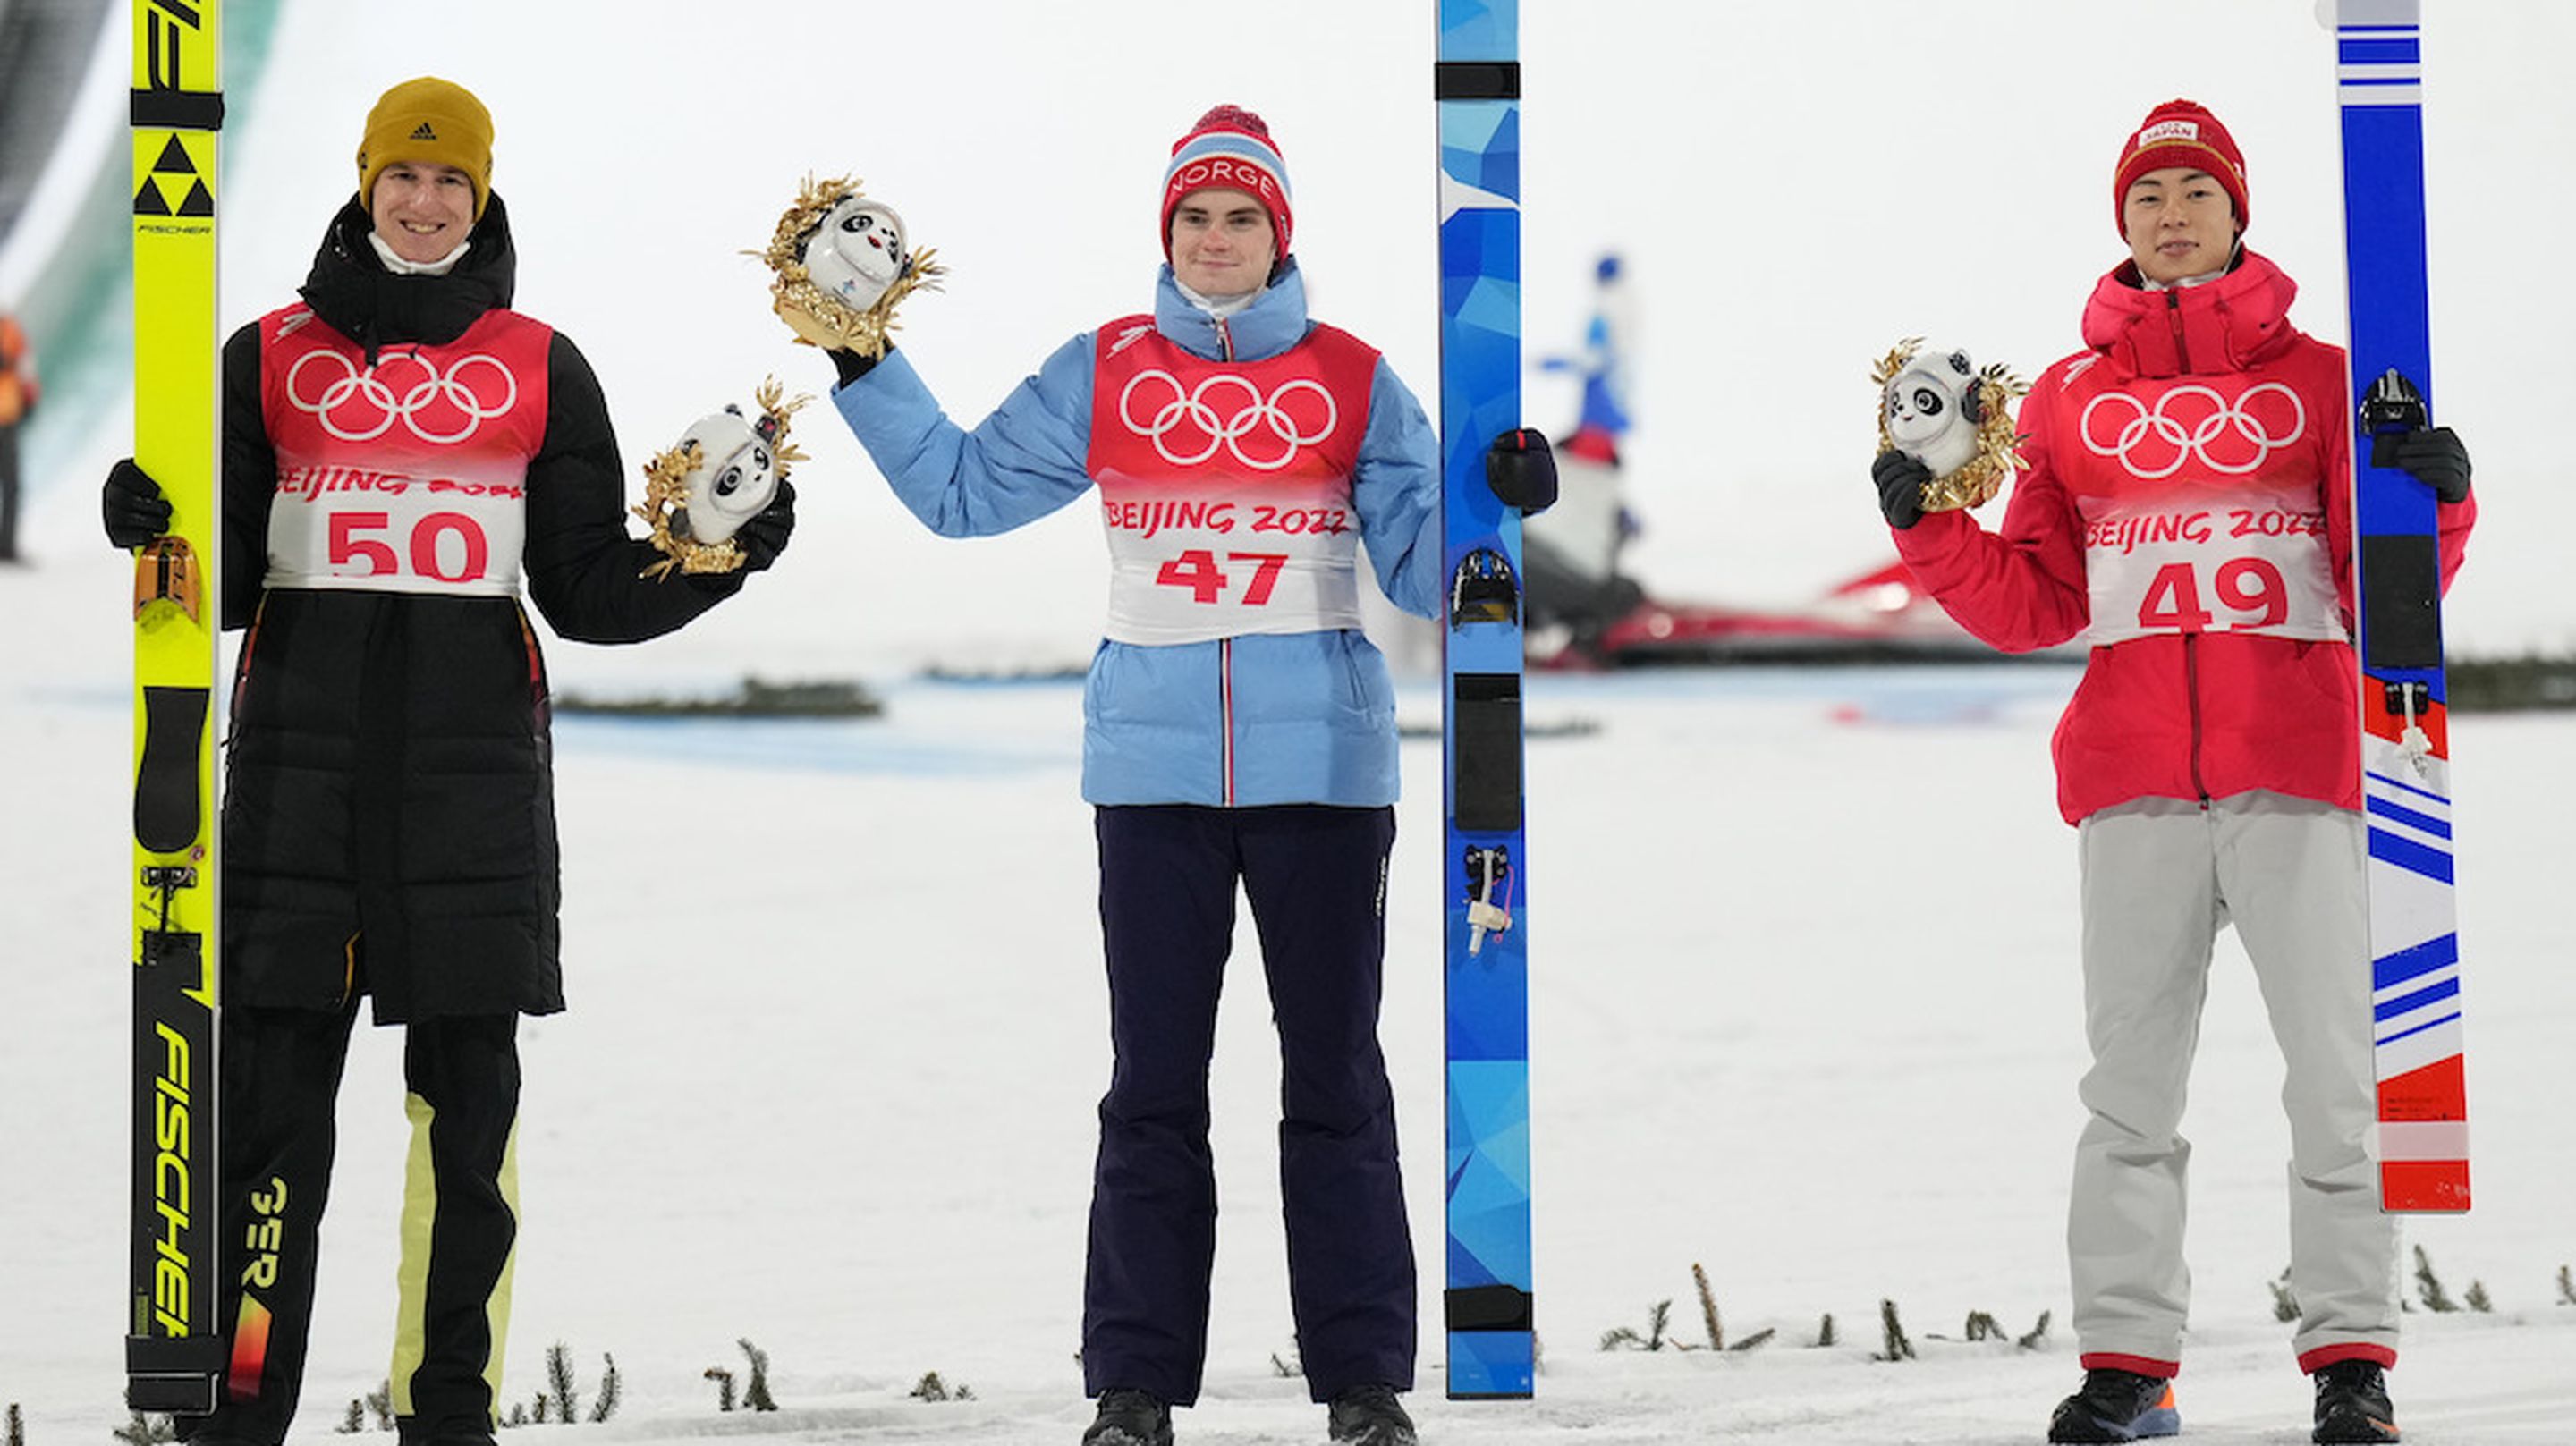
column 175, row 1352
column 2418, row 1047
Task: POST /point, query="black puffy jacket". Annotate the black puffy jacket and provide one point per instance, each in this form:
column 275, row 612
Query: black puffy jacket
column 389, row 819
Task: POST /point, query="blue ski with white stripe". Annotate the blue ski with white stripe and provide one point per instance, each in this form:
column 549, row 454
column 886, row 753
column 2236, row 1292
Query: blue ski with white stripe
column 2417, row 1041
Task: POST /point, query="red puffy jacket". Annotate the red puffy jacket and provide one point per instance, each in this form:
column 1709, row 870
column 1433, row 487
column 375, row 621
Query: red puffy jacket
column 2184, row 509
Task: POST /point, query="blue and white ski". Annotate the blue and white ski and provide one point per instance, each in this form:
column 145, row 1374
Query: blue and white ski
column 1492, row 1352
column 2405, row 737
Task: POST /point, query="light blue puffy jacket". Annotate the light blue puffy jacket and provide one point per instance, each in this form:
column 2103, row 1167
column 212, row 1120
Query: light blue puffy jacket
column 1238, row 722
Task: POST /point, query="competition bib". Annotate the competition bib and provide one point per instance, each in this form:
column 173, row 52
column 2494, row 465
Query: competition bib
column 407, row 475
column 1225, row 486
column 2200, row 532
column 345, row 527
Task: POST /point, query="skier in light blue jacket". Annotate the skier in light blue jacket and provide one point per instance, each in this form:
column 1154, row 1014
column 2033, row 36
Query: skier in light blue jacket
column 1258, row 703
column 1239, row 731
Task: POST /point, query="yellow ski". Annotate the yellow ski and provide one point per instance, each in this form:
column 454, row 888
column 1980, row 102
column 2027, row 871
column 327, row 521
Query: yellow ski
column 174, row 1352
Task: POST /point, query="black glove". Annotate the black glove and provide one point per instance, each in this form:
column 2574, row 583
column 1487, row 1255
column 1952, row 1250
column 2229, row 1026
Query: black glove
column 763, row 535
column 2433, row 456
column 1900, row 480
column 132, row 506
column 851, row 365
column 1521, row 470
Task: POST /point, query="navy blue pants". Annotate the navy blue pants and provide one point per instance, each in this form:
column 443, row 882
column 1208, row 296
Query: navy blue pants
column 1316, row 879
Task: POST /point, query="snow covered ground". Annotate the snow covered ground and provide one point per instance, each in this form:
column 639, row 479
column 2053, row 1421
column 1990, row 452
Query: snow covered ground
column 1805, row 1014
column 1806, row 1005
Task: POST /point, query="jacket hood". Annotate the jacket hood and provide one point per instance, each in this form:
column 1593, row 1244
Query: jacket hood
column 350, row 288
column 2225, row 325
column 1275, row 321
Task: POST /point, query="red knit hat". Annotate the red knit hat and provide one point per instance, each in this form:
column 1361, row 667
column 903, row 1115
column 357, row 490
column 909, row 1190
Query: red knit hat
column 1230, row 147
column 2180, row 133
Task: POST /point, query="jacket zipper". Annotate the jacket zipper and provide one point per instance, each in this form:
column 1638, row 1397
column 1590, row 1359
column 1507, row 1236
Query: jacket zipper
column 1225, row 718
column 2191, row 700
column 1225, row 646
column 2173, row 320
column 2190, row 641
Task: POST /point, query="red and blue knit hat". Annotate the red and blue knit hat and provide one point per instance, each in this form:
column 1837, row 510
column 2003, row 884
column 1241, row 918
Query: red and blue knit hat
column 1229, row 148
column 2180, row 133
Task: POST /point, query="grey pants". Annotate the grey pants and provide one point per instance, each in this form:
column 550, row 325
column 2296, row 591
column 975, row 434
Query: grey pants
column 2161, row 877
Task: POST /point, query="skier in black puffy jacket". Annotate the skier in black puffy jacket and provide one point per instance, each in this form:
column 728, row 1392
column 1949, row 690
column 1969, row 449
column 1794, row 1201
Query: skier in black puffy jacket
column 401, row 451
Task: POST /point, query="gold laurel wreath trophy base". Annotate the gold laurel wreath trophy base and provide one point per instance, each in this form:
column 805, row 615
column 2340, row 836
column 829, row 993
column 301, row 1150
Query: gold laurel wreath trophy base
column 666, row 492
column 818, row 317
column 1978, row 479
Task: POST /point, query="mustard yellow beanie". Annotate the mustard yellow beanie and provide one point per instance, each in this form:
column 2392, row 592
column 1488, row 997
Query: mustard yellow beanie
column 428, row 119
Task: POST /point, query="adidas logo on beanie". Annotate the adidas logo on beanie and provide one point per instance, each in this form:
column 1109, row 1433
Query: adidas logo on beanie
column 427, row 119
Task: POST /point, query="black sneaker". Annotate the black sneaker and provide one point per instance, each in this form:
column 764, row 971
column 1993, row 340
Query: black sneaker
column 2116, row 1406
column 1370, row 1416
column 1130, row 1418
column 2352, row 1404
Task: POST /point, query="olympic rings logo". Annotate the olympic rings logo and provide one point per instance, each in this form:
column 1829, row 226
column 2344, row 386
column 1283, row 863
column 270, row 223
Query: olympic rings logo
column 2195, row 423
column 1263, row 433
column 439, row 408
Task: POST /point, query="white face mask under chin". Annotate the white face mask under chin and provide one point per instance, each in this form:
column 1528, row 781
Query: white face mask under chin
column 2235, row 254
column 1219, row 307
column 399, row 267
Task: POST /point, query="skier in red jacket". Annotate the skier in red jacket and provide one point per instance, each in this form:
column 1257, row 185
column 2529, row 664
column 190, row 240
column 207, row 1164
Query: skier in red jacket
column 2185, row 509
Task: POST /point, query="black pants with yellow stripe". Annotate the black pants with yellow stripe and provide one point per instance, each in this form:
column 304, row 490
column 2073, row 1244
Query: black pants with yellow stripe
column 281, row 1077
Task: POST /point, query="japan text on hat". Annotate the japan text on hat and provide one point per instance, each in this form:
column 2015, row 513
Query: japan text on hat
column 2180, row 133
column 431, row 120
column 1229, row 148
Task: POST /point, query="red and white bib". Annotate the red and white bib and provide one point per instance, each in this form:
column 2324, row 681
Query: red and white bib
column 1225, row 486
column 2203, row 510
column 409, row 475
